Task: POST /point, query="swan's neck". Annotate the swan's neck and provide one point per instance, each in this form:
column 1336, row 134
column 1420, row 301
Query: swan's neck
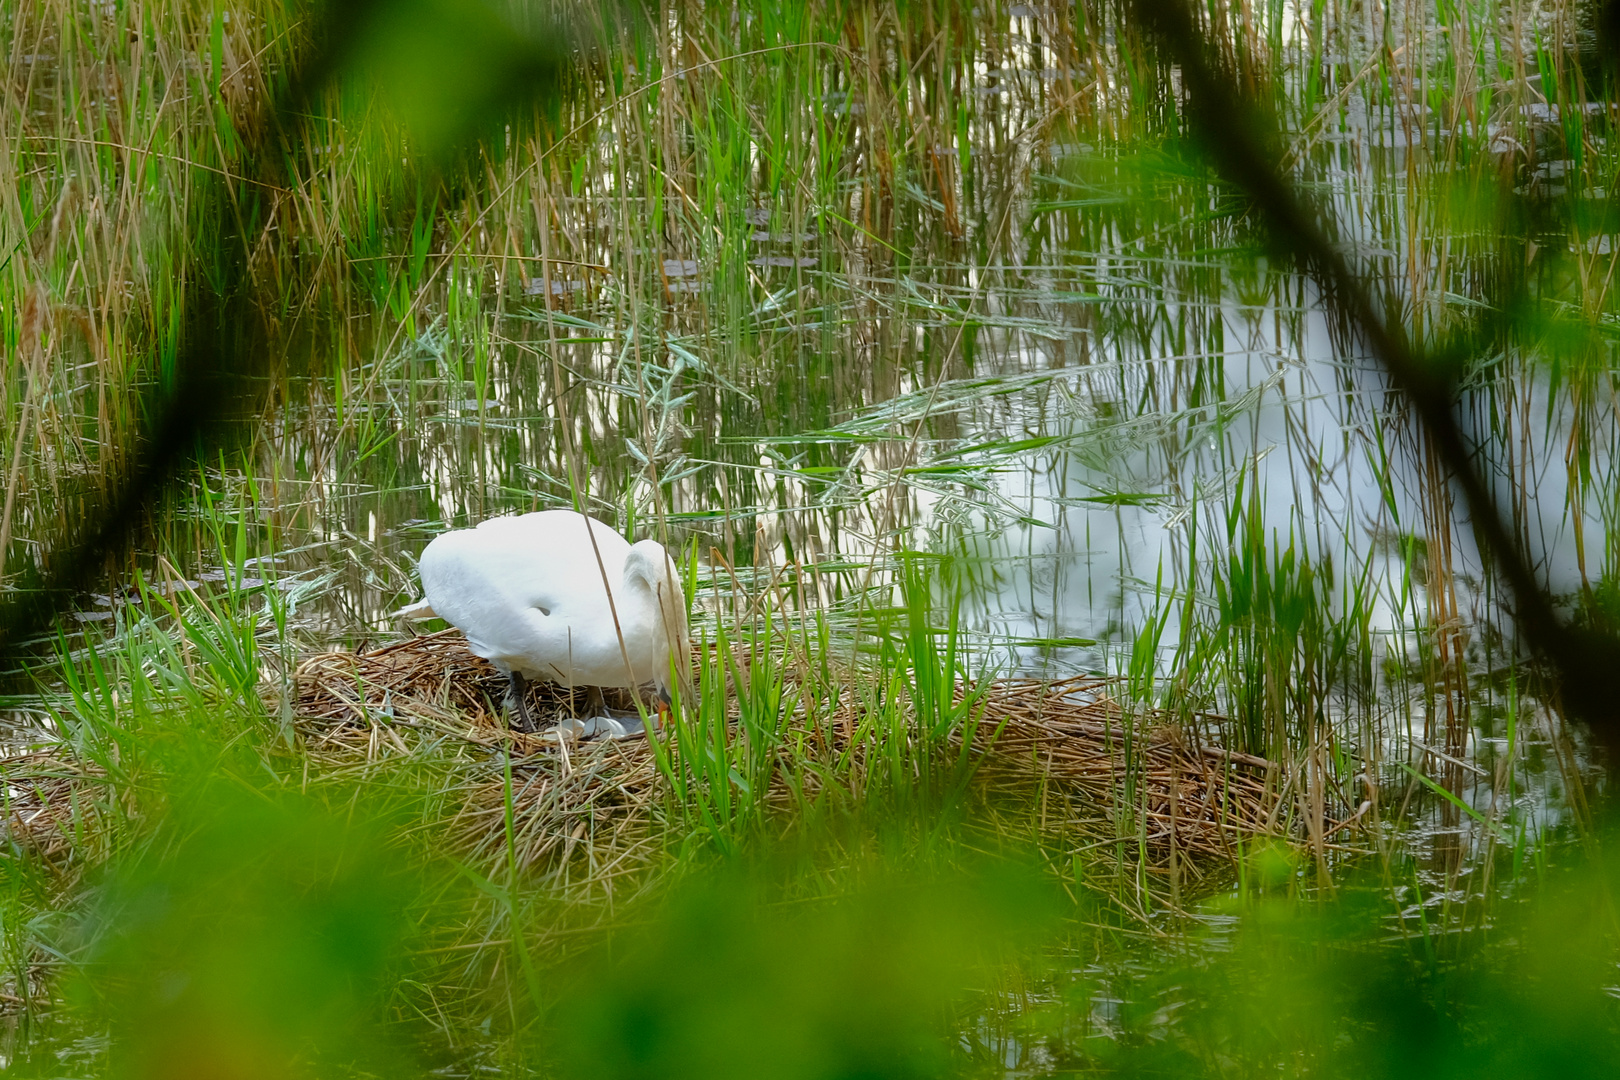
column 656, row 604
column 642, row 598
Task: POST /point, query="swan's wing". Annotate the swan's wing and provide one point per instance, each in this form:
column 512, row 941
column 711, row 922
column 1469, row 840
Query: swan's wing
column 563, row 568
column 572, row 592
column 548, row 559
column 529, row 593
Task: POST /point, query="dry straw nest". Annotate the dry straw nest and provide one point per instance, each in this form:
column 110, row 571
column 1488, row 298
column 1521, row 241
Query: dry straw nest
column 1065, row 741
column 45, row 804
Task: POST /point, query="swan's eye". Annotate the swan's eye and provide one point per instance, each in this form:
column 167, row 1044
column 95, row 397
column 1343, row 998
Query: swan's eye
column 543, row 611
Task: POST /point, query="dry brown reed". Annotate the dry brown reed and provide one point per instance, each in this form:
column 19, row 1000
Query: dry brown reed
column 46, row 808
column 429, row 683
column 1107, row 777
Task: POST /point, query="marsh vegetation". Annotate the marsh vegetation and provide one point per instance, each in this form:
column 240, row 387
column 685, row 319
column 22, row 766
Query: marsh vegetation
column 1096, row 669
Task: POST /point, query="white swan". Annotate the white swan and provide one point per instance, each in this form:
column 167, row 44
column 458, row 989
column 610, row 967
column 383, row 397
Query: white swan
column 561, row 597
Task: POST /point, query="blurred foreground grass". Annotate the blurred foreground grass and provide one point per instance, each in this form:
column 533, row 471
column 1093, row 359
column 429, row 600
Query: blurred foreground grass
column 262, row 931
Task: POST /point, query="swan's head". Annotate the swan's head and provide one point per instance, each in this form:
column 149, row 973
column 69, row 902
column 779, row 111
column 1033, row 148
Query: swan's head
column 648, row 566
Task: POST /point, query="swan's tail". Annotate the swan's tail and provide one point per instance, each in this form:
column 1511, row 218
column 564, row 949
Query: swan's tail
column 419, row 610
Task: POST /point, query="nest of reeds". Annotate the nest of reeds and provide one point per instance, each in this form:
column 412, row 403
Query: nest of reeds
column 564, row 795
column 1097, row 776
column 1134, row 770
column 43, row 804
column 431, row 683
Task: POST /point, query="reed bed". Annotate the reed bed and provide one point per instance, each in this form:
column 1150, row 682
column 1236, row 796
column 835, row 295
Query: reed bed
column 1198, row 800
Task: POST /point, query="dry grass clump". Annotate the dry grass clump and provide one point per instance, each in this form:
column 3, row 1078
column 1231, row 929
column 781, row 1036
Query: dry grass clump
column 582, row 815
column 1066, row 742
column 1142, row 782
column 49, row 815
column 44, row 807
